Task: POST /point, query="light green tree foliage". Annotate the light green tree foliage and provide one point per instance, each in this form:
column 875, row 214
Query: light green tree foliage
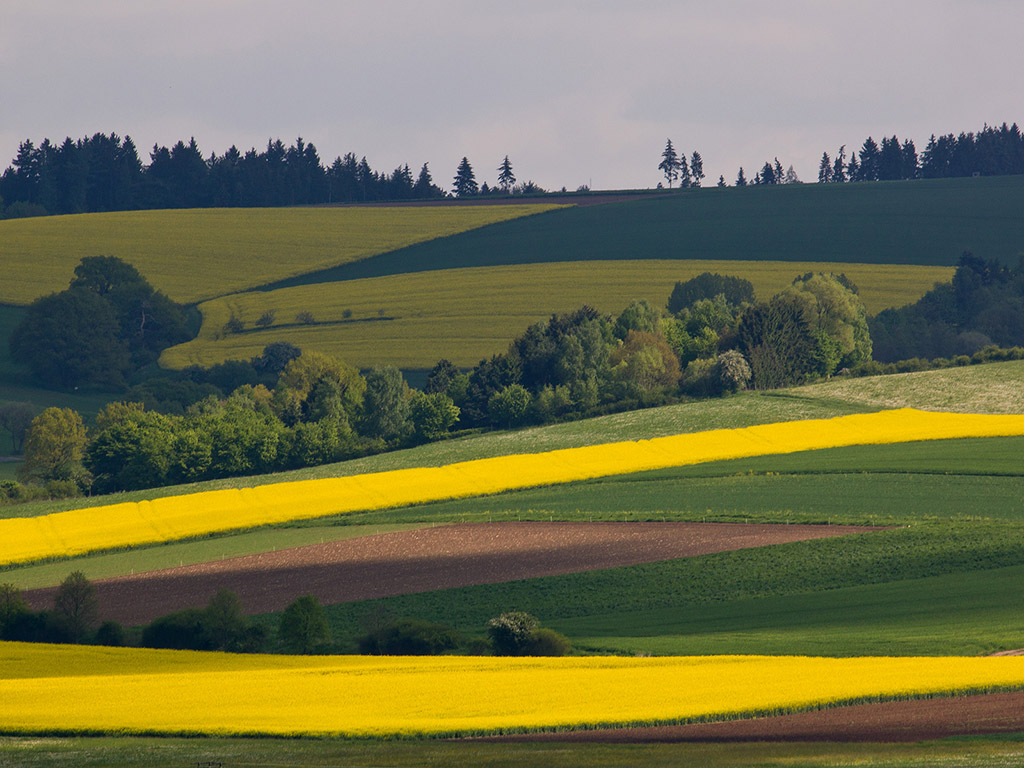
column 386, row 404
column 510, row 406
column 117, row 413
column 75, row 605
column 836, row 313
column 54, row 445
column 303, row 625
column 432, row 414
column 638, row 316
column 303, row 373
column 697, row 329
column 645, row 362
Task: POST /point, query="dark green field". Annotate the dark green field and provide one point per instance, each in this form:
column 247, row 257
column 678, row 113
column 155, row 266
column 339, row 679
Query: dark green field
column 142, row 752
column 909, row 222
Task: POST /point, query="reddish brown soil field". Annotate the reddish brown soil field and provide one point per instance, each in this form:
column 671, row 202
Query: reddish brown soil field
column 425, row 560
column 916, row 720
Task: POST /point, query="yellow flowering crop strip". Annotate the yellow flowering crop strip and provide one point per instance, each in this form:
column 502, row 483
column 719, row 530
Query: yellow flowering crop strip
column 176, row 517
column 90, row 689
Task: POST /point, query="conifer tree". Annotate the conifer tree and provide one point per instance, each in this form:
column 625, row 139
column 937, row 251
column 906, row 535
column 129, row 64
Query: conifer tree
column 669, row 164
column 465, row 180
column 506, row 179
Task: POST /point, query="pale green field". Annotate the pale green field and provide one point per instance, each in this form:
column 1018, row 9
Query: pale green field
column 192, row 255
column 413, row 320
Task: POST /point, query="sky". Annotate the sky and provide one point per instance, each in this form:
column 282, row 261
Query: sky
column 575, row 92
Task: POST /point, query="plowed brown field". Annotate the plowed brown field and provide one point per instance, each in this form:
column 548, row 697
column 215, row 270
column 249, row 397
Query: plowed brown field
column 425, row 560
column 915, row 720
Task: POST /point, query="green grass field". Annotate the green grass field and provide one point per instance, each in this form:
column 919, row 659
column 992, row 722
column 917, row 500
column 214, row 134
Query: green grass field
column 194, row 255
column 413, row 320
column 961, row 613
column 150, row 752
column 928, row 222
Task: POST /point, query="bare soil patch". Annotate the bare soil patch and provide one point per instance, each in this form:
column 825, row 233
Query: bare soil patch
column 892, row 721
column 425, row 560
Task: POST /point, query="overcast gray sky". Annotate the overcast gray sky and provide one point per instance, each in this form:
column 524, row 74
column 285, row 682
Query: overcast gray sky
column 575, row 92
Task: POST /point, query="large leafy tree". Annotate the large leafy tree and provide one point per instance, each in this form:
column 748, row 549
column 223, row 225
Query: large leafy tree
column 836, row 312
column 109, row 320
column 54, row 446
column 75, row 605
column 303, row 625
column 72, row 339
column 386, row 404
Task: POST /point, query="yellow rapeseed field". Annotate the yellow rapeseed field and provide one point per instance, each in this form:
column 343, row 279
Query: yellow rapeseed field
column 176, row 517
column 90, row 689
column 413, row 320
column 193, row 255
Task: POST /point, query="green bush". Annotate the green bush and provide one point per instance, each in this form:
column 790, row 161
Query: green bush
column 409, row 637
column 546, row 642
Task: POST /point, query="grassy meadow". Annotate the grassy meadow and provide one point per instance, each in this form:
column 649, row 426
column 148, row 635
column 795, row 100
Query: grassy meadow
column 465, row 315
column 232, row 249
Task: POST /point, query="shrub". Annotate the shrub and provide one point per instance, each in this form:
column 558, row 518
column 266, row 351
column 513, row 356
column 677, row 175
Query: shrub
column 732, row 371
column 410, row 637
column 266, row 319
column 234, row 325
column 546, row 642
column 510, row 632
column 110, row 633
column 183, row 630
column 305, row 317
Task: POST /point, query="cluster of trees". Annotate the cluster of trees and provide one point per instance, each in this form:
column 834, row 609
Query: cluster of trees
column 770, row 173
column 675, row 167
column 73, row 619
column 221, row 626
column 108, row 323
column 713, row 337
column 983, row 305
column 287, row 409
column 990, row 152
column 105, row 173
column 320, row 410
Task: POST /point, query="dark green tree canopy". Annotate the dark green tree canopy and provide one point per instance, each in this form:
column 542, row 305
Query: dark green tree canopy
column 465, row 180
column 707, row 285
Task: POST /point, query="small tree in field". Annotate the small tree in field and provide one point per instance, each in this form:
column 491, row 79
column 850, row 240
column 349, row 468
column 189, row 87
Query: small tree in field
column 511, row 631
column 75, row 605
column 303, row 625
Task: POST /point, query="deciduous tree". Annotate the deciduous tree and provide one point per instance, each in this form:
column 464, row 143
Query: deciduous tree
column 54, row 446
column 303, row 625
